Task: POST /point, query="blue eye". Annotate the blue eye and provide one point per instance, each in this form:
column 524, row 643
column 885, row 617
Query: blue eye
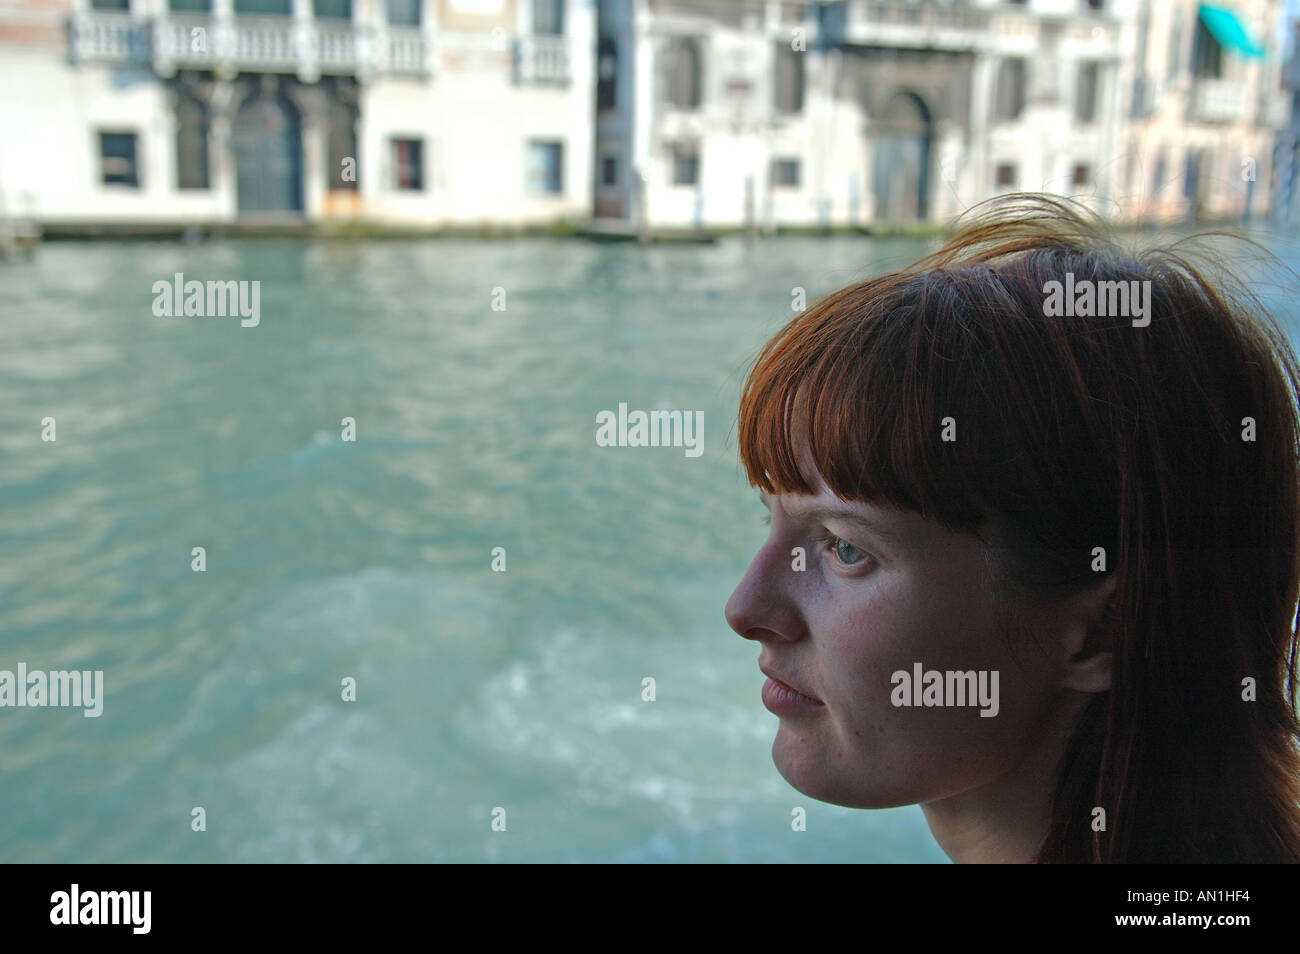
column 847, row 553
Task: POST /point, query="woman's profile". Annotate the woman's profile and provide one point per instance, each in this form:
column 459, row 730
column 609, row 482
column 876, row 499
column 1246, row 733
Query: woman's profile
column 1033, row 555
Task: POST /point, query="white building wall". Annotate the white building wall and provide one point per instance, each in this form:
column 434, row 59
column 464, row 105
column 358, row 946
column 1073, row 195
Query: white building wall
column 476, row 124
column 49, row 158
column 738, row 136
column 475, row 120
column 832, row 135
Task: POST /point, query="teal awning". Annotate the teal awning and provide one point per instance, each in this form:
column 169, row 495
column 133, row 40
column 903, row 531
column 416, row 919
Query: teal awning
column 1228, row 29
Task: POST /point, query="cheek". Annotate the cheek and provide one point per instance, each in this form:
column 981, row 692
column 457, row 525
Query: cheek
column 943, row 628
column 889, row 627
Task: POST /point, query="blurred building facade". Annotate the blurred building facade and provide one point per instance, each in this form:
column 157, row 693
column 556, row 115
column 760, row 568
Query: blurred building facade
column 633, row 113
column 1208, row 99
column 858, row 112
column 905, row 110
column 423, row 112
column 1286, row 164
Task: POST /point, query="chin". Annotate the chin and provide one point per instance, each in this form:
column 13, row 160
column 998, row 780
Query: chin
column 805, row 768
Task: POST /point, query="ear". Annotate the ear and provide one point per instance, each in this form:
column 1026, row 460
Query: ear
column 1089, row 635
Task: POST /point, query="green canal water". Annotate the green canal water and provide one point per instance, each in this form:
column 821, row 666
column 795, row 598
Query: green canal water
column 473, row 373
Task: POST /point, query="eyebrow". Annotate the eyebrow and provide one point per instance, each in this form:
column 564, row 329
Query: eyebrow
column 825, row 514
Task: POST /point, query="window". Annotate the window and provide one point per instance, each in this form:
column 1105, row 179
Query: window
column 686, row 164
column 1082, row 175
column 681, row 73
column 342, row 146
column 606, row 73
column 548, row 17
column 408, row 164
column 191, row 144
column 1158, row 177
column 830, row 19
column 1045, row 82
column 609, row 171
column 277, row 7
column 1191, row 173
column 117, row 159
column 789, row 79
column 1010, row 90
column 190, row 6
column 1176, row 44
column 123, row 5
column 1143, row 81
column 1095, row 4
column 1006, row 175
column 785, row 173
column 333, row 9
column 1145, row 96
column 545, row 168
column 1207, row 54
column 1085, row 93
column 404, row 13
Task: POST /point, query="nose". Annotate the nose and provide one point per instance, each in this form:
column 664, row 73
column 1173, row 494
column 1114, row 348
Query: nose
column 763, row 607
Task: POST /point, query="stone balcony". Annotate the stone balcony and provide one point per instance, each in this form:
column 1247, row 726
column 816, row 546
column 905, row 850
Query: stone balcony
column 940, row 25
column 898, row 23
column 244, row 43
column 542, row 59
column 1219, row 101
column 1275, row 110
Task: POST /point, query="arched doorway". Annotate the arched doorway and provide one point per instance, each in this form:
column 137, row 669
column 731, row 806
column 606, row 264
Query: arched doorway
column 900, row 160
column 268, row 154
column 192, row 128
column 680, row 73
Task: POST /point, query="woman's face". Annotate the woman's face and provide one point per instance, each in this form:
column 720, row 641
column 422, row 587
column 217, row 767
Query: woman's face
column 882, row 591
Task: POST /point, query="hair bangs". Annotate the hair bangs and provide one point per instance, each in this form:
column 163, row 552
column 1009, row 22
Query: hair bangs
column 857, row 388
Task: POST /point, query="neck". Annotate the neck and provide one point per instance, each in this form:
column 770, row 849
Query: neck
column 1007, row 819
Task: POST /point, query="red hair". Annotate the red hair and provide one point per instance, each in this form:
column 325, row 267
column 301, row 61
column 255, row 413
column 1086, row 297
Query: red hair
column 1075, row 433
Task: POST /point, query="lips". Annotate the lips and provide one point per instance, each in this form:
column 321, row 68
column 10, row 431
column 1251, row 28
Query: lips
column 786, row 683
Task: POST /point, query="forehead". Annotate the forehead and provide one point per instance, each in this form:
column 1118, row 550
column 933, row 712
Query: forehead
column 904, row 528
column 803, row 456
column 825, row 504
column 881, row 519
